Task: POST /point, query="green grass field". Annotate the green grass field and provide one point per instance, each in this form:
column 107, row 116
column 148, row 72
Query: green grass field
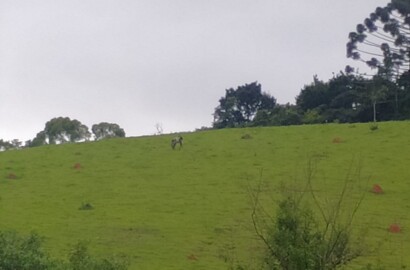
column 190, row 208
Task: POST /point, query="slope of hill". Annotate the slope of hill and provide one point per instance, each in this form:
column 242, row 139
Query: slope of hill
column 190, row 208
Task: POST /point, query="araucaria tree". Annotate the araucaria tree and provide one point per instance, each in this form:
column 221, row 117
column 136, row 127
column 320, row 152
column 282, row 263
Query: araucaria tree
column 240, row 105
column 383, row 40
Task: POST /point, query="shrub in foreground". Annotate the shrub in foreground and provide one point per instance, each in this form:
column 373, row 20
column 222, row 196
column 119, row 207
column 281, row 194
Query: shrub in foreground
column 17, row 252
column 26, row 253
column 297, row 241
column 299, row 237
column 80, row 259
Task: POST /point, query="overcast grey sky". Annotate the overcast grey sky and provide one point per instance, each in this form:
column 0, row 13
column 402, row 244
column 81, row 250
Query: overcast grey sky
column 141, row 62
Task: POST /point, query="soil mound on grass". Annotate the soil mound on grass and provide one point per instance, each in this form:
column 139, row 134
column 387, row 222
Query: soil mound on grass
column 11, row 176
column 337, row 140
column 77, row 166
column 395, row 228
column 377, row 189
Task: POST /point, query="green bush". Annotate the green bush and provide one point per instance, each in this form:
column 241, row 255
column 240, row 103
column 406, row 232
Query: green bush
column 86, row 206
column 80, row 259
column 294, row 241
column 298, row 237
column 297, row 241
column 312, row 116
column 374, row 127
column 26, row 253
column 17, row 252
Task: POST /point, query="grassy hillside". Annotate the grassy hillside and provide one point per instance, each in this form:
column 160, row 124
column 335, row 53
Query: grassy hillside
column 190, row 208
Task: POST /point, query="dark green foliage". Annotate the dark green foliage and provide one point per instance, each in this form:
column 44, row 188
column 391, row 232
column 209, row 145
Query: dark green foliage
column 285, row 115
column 246, row 137
column 297, row 241
column 294, row 241
column 39, row 140
column 348, row 98
column 107, row 130
column 329, row 101
column 26, row 253
column 61, row 130
column 313, row 95
column 402, row 92
column 345, row 98
column 374, row 127
column 86, row 206
column 313, row 116
column 239, row 106
column 262, row 118
column 23, row 253
column 280, row 115
column 80, row 259
column 385, row 29
column 298, row 237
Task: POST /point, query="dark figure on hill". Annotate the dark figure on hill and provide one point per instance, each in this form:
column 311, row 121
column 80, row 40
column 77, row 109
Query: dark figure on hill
column 175, row 141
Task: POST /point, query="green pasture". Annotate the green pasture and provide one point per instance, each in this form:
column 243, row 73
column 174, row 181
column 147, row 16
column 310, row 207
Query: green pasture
column 191, row 208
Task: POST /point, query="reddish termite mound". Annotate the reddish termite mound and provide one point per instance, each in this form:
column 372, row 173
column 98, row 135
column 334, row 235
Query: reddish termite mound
column 395, row 228
column 77, row 166
column 337, row 140
column 11, row 176
column 377, row 189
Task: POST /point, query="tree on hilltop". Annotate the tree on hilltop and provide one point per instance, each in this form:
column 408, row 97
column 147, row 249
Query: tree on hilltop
column 240, row 105
column 313, row 95
column 13, row 144
column 107, row 130
column 61, row 130
column 330, row 101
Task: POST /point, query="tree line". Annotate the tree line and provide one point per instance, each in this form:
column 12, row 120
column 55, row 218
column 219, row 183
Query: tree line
column 382, row 41
column 65, row 130
column 345, row 98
